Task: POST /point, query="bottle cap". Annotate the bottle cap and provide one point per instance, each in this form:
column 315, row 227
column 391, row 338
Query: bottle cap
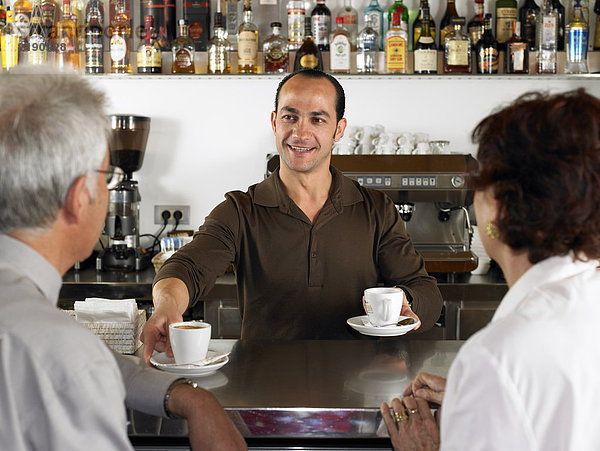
column 275, row 24
column 339, row 20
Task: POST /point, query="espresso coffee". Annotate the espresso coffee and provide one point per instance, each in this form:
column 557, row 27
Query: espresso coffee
column 189, row 327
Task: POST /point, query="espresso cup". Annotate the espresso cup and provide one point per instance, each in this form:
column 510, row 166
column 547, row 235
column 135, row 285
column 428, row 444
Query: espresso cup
column 189, row 341
column 383, row 305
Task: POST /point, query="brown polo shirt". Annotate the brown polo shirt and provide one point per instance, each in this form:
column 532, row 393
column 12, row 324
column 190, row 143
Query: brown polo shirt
column 298, row 280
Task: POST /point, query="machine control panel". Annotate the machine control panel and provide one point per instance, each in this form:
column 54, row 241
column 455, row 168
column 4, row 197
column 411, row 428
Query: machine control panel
column 418, row 181
column 377, row 181
column 404, row 181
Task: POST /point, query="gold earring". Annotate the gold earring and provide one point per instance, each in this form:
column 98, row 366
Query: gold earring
column 491, row 230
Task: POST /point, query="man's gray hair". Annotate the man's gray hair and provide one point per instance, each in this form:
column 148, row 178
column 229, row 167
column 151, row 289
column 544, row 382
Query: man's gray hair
column 53, row 129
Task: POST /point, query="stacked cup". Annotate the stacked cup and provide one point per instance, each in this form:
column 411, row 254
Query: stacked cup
column 477, row 248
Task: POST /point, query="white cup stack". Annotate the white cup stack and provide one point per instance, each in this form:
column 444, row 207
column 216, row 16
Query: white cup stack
column 477, row 248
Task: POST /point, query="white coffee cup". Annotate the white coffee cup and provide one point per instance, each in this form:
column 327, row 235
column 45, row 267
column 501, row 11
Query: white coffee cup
column 189, row 341
column 383, row 305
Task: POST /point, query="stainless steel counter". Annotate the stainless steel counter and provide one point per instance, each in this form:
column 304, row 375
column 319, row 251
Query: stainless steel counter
column 308, row 393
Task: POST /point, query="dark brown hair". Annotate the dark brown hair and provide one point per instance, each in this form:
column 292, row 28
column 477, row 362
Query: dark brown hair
column 541, row 156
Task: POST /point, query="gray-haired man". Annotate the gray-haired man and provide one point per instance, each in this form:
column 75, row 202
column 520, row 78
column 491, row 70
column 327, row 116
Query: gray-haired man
column 60, row 387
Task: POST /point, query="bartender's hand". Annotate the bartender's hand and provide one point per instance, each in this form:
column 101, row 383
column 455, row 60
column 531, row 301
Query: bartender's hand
column 429, row 387
column 411, row 425
column 170, row 298
column 209, row 427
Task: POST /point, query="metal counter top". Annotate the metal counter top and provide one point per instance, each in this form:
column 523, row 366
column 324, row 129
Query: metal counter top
column 297, row 392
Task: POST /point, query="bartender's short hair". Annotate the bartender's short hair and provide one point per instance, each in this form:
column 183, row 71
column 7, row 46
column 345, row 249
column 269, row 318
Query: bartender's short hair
column 541, row 157
column 340, row 100
column 53, row 129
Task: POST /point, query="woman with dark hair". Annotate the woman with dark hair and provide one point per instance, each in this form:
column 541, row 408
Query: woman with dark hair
column 529, row 379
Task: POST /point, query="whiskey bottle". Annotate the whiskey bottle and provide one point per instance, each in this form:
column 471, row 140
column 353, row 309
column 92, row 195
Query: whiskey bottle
column 320, row 18
column 425, row 52
column 506, row 14
column 275, row 51
column 475, row 25
column 486, row 49
column 445, row 25
column 22, row 10
column 308, row 55
column 547, row 39
column 396, row 47
column 517, row 53
column 218, row 49
column 78, row 16
column 560, row 11
column 296, row 14
column 577, row 42
column 9, row 42
column 374, row 13
column 94, row 39
column 67, row 52
column 120, row 38
column 367, row 44
column 418, row 24
column 528, row 17
column 149, row 55
column 182, row 51
column 247, row 42
column 339, row 57
column 38, row 43
column 50, row 13
column 457, row 48
column 350, row 21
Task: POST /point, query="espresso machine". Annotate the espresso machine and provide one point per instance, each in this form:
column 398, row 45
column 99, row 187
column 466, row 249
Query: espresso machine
column 127, row 146
column 431, row 197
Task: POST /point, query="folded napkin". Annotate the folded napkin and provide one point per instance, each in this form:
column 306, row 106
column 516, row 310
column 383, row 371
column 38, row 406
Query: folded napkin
column 106, row 310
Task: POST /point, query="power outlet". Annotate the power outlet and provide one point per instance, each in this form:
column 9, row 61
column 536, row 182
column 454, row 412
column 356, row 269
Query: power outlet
column 184, row 209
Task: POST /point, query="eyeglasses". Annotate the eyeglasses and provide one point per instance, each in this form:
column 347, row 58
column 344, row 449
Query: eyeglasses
column 113, row 175
column 109, row 173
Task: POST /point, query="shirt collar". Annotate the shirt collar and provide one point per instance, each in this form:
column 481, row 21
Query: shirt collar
column 27, row 262
column 545, row 272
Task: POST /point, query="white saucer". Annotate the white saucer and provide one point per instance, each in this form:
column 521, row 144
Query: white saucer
column 165, row 363
column 362, row 325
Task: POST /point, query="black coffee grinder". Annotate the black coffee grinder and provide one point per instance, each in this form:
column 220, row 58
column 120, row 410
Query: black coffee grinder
column 127, row 146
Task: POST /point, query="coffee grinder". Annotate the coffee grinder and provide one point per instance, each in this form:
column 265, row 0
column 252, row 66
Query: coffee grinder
column 127, row 146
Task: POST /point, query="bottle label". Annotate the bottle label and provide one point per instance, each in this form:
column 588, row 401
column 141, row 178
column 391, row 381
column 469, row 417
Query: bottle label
column 395, row 53
column 309, row 61
column 195, row 30
column 148, row 56
column 516, row 53
column 183, row 59
column 320, row 29
column 340, row 53
column 369, row 42
column 458, row 53
column 38, row 50
column 48, row 15
column 10, row 51
column 94, row 49
column 597, row 33
column 65, row 44
column 548, row 31
column 296, row 27
column 504, row 19
column 349, row 19
column 247, row 48
column 22, row 22
column 578, row 42
column 487, row 60
column 375, row 17
column 118, row 48
column 425, row 60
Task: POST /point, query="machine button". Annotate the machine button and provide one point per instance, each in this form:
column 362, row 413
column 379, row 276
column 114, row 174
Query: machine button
column 425, row 181
column 458, row 181
column 411, row 181
column 388, row 181
column 378, row 181
column 369, row 180
column 431, row 181
column 360, row 180
column 419, row 181
column 404, row 181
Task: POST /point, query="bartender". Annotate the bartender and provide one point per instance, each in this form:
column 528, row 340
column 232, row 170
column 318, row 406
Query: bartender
column 304, row 243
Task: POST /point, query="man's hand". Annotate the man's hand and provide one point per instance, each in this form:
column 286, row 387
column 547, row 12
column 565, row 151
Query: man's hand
column 429, row 387
column 209, row 427
column 406, row 310
column 411, row 425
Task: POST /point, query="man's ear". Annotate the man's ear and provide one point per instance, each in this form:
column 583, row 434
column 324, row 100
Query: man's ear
column 273, row 118
column 339, row 129
column 76, row 201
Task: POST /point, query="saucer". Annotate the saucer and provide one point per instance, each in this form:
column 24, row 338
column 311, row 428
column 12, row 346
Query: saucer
column 165, row 363
column 362, row 325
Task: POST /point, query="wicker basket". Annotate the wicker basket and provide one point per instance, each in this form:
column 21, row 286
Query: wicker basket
column 122, row 337
column 158, row 260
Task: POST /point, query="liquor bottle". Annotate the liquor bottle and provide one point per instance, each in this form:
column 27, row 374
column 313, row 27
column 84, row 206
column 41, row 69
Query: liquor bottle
column 403, row 10
column 94, row 42
column 232, row 21
column 517, row 53
column 67, row 52
column 296, row 14
column 475, row 25
column 78, row 16
column 339, row 58
column 22, row 10
column 547, row 38
column 2, row 16
column 182, row 51
column 486, row 49
column 321, row 24
column 396, row 47
column 577, row 42
column 597, row 28
column 560, row 10
column 445, row 25
column 275, row 51
column 149, row 54
column 9, row 42
column 350, row 20
column 308, row 55
column 367, row 43
column 374, row 13
column 457, row 48
column 38, row 44
column 218, row 48
column 425, row 53
column 418, row 24
column 197, row 13
column 120, row 38
column 50, row 13
column 528, row 17
column 247, row 42
column 506, row 14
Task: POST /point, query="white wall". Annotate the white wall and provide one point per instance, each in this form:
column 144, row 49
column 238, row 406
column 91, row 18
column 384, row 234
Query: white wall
column 210, row 135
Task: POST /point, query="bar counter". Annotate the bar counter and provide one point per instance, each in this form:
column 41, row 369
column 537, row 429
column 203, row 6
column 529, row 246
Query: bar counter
column 313, row 394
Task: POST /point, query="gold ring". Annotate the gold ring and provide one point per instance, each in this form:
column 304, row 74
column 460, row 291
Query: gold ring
column 411, row 411
column 397, row 416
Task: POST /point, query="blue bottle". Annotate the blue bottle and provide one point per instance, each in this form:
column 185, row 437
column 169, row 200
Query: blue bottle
column 375, row 13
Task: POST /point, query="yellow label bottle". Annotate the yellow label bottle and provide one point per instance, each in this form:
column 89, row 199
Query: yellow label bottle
column 10, row 42
column 396, row 46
